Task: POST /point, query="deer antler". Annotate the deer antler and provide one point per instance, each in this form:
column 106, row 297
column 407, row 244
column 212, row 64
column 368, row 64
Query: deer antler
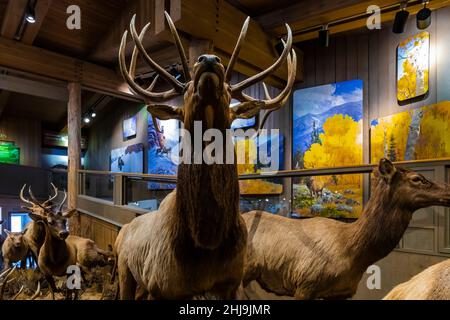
column 236, row 90
column 178, row 87
column 251, row 106
column 62, row 202
column 5, row 275
column 51, row 198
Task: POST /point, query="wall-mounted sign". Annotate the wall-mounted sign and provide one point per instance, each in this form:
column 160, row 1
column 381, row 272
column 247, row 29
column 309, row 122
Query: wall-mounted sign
column 58, row 140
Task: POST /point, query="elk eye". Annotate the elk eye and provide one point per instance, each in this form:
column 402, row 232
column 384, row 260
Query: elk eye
column 218, row 60
column 201, row 58
column 416, row 179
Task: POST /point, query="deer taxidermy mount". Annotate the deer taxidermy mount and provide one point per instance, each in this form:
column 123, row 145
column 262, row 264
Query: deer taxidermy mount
column 195, row 243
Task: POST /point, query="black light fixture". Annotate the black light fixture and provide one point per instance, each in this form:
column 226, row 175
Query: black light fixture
column 401, row 17
column 324, row 36
column 93, row 114
column 423, row 16
column 30, row 14
column 174, row 71
column 87, row 119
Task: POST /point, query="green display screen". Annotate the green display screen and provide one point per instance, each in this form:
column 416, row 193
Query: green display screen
column 9, row 154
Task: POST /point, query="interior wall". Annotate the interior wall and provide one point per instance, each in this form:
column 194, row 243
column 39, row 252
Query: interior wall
column 370, row 55
column 27, row 135
column 106, row 133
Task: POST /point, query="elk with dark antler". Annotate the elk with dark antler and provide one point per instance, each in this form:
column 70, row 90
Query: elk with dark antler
column 35, row 234
column 59, row 249
column 324, row 258
column 195, row 242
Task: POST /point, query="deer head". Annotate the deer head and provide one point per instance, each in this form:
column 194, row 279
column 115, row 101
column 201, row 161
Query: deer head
column 56, row 221
column 410, row 189
column 16, row 238
column 34, row 205
column 207, row 91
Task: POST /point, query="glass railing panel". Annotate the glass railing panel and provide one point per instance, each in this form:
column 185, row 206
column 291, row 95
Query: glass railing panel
column 100, row 186
column 146, row 194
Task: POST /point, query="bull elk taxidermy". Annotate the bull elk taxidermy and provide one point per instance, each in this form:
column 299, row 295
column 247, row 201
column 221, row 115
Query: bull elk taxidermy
column 321, row 258
column 195, row 243
column 60, row 249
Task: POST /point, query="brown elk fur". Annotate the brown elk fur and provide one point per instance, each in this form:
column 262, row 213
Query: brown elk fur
column 324, row 258
column 14, row 249
column 195, row 242
column 431, row 284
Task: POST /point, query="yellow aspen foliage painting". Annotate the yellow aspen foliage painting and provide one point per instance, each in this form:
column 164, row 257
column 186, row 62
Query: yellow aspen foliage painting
column 327, row 132
column 255, row 155
column 418, row 134
column 413, row 67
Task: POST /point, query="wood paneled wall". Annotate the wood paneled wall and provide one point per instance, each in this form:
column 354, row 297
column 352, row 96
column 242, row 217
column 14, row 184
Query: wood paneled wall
column 27, row 134
column 104, row 234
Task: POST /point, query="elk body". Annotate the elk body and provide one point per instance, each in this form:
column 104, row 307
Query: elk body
column 14, row 249
column 431, row 284
column 324, row 258
column 195, row 242
column 60, row 250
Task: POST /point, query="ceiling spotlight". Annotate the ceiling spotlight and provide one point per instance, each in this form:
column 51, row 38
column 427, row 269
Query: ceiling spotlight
column 401, row 17
column 324, row 36
column 93, row 114
column 30, row 14
column 86, row 120
column 423, row 17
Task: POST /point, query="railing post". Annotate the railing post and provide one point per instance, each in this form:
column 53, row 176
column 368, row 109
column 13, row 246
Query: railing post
column 119, row 190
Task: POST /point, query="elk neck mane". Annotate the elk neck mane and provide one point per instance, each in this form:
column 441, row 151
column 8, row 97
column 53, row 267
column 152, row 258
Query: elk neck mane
column 207, row 199
column 382, row 223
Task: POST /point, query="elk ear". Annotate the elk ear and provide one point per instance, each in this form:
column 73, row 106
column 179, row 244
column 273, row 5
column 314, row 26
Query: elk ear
column 69, row 213
column 387, row 170
column 246, row 110
column 166, row 112
column 7, row 231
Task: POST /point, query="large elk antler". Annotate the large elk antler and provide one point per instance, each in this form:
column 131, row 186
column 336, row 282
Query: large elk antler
column 248, row 107
column 45, row 205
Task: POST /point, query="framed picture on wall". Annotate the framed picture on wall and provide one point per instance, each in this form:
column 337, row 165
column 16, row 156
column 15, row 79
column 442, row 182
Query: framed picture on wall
column 413, row 64
column 163, row 150
column 327, row 132
column 130, row 128
column 128, row 159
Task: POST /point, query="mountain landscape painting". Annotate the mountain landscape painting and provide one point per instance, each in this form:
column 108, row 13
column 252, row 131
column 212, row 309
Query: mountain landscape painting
column 418, row 134
column 163, row 150
column 258, row 156
column 327, row 132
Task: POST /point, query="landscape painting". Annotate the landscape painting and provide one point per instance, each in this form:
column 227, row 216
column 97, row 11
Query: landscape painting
column 163, row 150
column 413, row 67
column 327, row 132
column 418, row 134
column 129, row 127
column 258, row 155
column 128, row 159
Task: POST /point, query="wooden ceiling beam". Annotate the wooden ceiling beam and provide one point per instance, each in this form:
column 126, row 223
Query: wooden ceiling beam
column 221, row 23
column 312, row 13
column 19, row 56
column 13, row 18
column 32, row 30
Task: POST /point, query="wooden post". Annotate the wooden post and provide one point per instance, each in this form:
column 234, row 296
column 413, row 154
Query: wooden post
column 74, row 151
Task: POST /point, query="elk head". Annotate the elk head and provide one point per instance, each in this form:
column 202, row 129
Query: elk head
column 34, row 205
column 410, row 189
column 43, row 212
column 15, row 237
column 207, row 91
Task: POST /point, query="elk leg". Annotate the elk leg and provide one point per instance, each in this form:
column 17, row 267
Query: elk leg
column 127, row 284
column 226, row 290
column 301, row 294
column 51, row 283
